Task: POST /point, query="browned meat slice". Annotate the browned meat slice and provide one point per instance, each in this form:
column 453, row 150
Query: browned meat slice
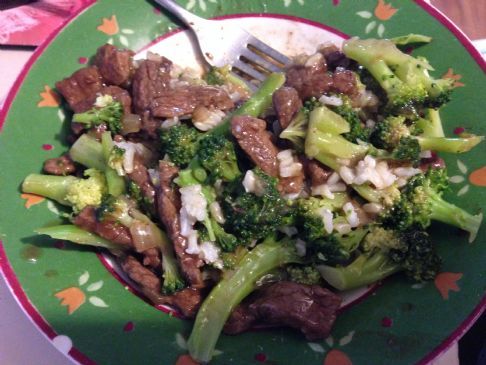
column 141, row 177
column 187, row 301
column 112, row 231
column 308, row 308
column 183, row 100
column 434, row 162
column 317, row 172
column 292, row 184
column 255, row 140
column 309, row 81
column 168, row 202
column 334, row 57
column 115, row 65
column 151, row 258
column 150, row 78
column 150, row 125
column 60, row 166
column 149, row 283
column 344, row 81
column 120, row 95
column 80, row 88
column 286, row 103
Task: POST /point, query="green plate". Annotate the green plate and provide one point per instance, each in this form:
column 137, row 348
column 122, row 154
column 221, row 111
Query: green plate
column 67, row 291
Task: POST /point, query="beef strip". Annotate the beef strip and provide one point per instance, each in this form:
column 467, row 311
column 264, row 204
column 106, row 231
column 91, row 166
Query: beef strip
column 434, row 162
column 149, row 283
column 187, row 301
column 151, row 258
column 150, row 125
column 150, row 78
column 344, row 81
column 310, row 81
column 286, row 103
column 80, row 88
column 334, row 57
column 110, row 230
column 60, row 166
column 116, row 66
column 317, row 172
column 184, row 100
column 256, row 141
column 120, row 95
column 168, row 202
column 141, row 177
column 308, row 308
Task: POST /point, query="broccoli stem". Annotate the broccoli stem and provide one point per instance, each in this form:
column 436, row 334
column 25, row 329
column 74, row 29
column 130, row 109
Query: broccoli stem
column 451, row 214
column 363, row 270
column 231, row 290
column 116, row 183
column 49, row 186
column 72, row 233
column 411, row 39
column 431, row 125
column 256, row 105
column 327, row 121
column 318, row 143
column 88, row 152
column 451, row 145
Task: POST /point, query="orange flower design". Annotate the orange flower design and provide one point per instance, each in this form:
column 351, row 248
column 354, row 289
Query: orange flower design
column 109, row 26
column 49, row 98
column 186, row 360
column 446, row 281
column 478, row 177
column 72, row 298
column 384, row 11
column 456, row 77
column 31, row 199
column 337, row 357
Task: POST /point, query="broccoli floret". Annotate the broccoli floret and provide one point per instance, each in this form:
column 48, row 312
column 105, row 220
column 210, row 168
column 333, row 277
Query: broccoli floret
column 111, row 114
column 386, row 252
column 405, row 79
column 180, row 143
column 115, row 159
column 217, row 155
column 301, row 274
column 297, row 129
column 143, row 202
column 421, row 202
column 68, row 190
column 334, row 248
column 253, row 217
column 405, row 142
column 226, row 241
column 324, row 141
column 358, row 131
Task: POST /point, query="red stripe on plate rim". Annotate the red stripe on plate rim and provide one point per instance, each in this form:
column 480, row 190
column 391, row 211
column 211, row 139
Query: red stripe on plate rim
column 8, row 272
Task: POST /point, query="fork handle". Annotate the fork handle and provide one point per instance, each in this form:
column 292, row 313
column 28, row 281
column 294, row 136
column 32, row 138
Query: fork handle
column 186, row 16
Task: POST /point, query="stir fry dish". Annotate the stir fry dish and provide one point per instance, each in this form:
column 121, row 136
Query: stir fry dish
column 242, row 209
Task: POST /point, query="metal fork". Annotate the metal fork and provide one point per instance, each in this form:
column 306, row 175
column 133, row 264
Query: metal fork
column 228, row 45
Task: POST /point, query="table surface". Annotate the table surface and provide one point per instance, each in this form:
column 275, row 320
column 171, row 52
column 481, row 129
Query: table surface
column 20, row 341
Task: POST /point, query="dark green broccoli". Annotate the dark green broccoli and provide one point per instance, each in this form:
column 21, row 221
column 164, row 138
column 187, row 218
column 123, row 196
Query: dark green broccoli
column 421, row 202
column 307, row 215
column 226, row 241
column 143, row 202
column 405, row 79
column 386, row 252
column 111, row 114
column 304, row 274
column 253, row 217
column 217, row 155
column 358, row 131
column 405, row 142
column 335, row 248
column 180, row 143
